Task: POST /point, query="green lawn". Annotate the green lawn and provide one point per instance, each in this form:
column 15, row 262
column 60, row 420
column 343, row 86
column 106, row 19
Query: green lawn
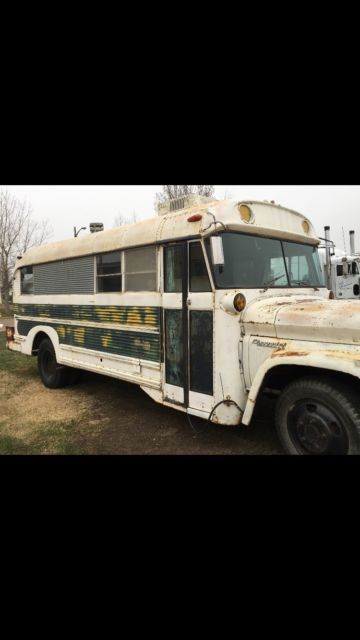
column 12, row 361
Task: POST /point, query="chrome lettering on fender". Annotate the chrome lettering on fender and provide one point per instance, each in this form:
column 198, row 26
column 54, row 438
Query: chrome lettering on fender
column 270, row 345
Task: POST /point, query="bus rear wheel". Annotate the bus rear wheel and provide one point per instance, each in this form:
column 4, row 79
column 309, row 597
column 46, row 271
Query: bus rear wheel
column 51, row 373
column 315, row 416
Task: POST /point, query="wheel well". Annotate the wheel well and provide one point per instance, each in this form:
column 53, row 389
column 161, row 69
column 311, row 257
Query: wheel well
column 279, row 377
column 37, row 341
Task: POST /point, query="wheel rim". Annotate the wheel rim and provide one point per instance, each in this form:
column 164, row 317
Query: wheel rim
column 48, row 363
column 315, row 429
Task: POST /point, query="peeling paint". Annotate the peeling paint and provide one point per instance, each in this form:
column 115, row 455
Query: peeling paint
column 61, row 331
column 115, row 341
column 79, row 335
column 132, row 315
column 312, row 320
column 288, row 354
column 106, row 340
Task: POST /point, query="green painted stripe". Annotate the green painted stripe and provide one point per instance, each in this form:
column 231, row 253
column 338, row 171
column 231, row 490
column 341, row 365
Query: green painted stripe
column 133, row 344
column 129, row 315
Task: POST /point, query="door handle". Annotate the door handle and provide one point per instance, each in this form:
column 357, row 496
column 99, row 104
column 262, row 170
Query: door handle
column 188, row 302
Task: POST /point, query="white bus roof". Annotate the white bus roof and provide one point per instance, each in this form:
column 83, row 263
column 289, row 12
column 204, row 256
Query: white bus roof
column 267, row 220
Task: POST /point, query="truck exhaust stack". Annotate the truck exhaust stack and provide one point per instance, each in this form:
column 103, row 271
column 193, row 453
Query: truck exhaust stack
column 352, row 243
column 327, row 250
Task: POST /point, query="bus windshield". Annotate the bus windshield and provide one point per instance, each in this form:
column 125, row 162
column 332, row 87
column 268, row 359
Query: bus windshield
column 256, row 262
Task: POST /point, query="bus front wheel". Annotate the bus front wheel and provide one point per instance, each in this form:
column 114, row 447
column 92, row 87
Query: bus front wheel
column 51, row 373
column 318, row 416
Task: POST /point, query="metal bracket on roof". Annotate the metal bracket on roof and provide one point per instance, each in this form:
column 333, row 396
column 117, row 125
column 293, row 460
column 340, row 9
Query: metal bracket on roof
column 214, row 222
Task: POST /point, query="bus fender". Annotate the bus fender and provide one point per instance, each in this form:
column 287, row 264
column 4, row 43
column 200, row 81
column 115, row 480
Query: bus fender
column 332, row 360
column 27, row 345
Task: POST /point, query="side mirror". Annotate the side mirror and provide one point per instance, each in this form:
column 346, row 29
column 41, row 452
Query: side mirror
column 217, row 250
column 345, row 266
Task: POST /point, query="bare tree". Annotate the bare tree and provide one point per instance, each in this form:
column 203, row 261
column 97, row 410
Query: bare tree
column 171, row 191
column 121, row 220
column 18, row 232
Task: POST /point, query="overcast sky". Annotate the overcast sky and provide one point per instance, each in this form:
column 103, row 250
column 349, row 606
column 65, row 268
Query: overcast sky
column 69, row 206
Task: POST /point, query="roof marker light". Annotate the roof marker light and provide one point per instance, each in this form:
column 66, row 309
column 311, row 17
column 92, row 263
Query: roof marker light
column 246, row 214
column 306, row 226
column 195, row 218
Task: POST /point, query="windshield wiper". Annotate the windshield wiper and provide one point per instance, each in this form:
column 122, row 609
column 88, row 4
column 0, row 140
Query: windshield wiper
column 269, row 282
column 304, row 283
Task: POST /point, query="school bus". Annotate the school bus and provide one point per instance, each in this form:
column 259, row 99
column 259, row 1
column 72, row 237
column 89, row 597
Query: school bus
column 206, row 306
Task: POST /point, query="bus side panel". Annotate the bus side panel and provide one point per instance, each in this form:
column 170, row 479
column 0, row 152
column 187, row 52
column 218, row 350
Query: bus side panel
column 228, row 375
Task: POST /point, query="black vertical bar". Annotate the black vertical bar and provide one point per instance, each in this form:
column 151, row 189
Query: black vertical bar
column 185, row 294
column 162, row 334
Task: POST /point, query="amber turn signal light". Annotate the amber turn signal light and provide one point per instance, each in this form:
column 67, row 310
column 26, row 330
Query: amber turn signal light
column 10, row 333
column 239, row 302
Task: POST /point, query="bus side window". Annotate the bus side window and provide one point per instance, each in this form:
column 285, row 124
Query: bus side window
column 108, row 272
column 173, row 268
column 140, row 269
column 198, row 275
column 27, row 280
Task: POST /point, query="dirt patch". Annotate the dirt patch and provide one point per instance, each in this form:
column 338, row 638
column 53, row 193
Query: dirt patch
column 104, row 416
column 32, row 403
column 124, row 420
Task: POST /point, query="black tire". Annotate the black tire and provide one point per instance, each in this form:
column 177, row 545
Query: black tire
column 51, row 373
column 316, row 416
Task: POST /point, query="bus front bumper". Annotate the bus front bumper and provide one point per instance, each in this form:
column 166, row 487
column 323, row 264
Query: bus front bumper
column 12, row 342
column 13, row 346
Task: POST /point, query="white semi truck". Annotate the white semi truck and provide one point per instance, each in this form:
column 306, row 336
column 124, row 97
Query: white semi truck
column 341, row 271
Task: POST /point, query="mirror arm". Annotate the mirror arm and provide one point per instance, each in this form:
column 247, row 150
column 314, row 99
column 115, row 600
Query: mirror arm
column 215, row 222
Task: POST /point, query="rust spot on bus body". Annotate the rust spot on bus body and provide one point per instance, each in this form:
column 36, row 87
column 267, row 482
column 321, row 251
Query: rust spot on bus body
column 288, row 354
column 344, row 355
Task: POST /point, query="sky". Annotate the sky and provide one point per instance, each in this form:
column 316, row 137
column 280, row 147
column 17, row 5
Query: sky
column 69, row 206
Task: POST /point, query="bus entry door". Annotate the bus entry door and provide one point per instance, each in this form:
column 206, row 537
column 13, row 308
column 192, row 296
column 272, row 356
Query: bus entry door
column 188, row 327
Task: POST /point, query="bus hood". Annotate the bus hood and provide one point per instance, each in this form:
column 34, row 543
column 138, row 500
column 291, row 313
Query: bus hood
column 300, row 317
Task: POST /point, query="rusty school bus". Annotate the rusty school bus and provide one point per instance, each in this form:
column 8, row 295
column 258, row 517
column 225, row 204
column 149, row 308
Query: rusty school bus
column 206, row 306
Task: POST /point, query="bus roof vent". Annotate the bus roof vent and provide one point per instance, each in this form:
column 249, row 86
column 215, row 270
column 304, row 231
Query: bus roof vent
column 185, row 202
column 96, row 226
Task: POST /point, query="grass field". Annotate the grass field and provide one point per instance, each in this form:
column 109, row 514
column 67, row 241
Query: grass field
column 25, row 427
column 101, row 415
